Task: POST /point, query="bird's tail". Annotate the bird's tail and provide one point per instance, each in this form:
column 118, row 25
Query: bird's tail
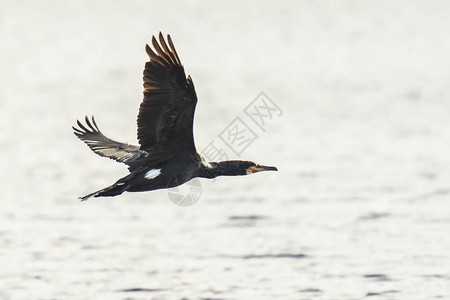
column 112, row 190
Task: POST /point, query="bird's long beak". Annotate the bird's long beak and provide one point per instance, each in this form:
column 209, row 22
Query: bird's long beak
column 266, row 168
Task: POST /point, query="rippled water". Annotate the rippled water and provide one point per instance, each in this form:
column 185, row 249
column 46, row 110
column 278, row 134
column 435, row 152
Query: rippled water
column 359, row 207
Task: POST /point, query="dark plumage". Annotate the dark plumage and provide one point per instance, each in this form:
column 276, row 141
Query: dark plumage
column 167, row 156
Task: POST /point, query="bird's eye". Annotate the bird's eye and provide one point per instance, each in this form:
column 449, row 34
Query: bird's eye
column 252, row 169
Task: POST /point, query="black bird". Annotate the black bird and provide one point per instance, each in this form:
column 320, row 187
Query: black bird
column 166, row 156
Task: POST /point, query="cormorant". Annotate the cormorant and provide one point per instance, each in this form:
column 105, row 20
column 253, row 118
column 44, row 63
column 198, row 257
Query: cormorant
column 166, row 156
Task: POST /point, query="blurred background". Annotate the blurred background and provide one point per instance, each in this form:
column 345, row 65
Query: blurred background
column 359, row 207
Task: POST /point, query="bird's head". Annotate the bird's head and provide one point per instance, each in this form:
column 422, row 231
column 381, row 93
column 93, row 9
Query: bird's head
column 239, row 167
column 252, row 167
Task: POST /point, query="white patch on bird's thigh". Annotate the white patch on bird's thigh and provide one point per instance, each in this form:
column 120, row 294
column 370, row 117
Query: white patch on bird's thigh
column 153, row 173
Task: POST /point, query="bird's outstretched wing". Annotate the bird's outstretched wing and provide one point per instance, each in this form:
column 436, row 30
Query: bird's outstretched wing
column 103, row 146
column 166, row 114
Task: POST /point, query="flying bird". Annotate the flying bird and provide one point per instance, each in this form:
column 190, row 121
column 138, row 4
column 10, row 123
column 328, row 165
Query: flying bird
column 166, row 156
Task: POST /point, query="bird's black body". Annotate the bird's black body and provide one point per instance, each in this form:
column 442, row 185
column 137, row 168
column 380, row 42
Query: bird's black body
column 167, row 156
column 178, row 170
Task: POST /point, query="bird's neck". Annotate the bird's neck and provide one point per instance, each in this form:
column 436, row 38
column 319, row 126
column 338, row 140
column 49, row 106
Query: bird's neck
column 222, row 168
